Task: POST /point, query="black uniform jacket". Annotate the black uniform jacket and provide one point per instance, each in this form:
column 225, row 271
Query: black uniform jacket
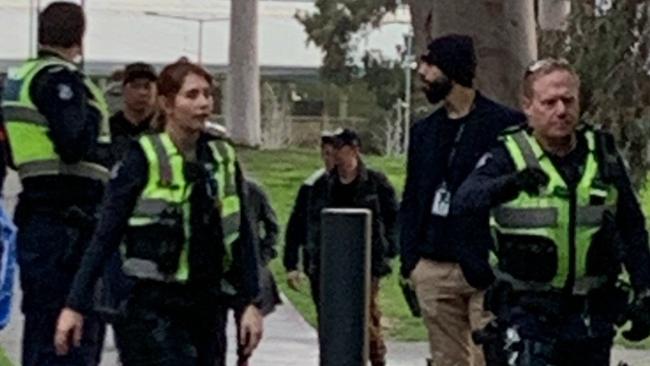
column 62, row 97
column 206, row 238
column 491, row 184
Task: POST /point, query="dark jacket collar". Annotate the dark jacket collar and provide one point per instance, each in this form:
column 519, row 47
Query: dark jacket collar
column 47, row 53
column 333, row 175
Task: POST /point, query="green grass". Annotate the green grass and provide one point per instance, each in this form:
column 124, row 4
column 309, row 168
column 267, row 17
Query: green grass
column 282, row 172
column 4, row 360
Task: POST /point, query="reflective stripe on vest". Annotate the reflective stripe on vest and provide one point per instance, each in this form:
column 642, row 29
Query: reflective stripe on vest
column 167, row 190
column 511, row 217
column 32, row 149
column 20, row 113
column 98, row 101
column 57, row 167
column 547, row 215
column 224, row 154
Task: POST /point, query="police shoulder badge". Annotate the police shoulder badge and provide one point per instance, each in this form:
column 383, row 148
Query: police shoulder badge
column 65, row 92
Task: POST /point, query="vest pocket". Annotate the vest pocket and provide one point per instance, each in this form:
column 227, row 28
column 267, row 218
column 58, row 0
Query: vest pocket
column 527, row 257
column 161, row 242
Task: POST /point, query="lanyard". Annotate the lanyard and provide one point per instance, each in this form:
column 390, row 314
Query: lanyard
column 454, row 147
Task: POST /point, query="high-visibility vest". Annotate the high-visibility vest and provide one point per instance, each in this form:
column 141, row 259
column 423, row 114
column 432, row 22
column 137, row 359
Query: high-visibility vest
column 568, row 220
column 167, row 191
column 32, row 149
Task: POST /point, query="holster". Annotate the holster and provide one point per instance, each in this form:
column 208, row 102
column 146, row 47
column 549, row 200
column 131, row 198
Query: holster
column 411, row 298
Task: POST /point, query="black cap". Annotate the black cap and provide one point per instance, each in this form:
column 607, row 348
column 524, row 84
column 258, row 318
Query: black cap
column 454, row 55
column 327, row 137
column 139, row 70
column 348, row 137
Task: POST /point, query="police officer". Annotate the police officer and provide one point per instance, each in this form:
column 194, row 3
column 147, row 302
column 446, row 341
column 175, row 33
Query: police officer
column 179, row 201
column 298, row 226
column 566, row 220
column 57, row 124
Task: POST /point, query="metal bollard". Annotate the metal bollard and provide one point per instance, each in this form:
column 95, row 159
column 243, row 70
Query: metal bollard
column 344, row 287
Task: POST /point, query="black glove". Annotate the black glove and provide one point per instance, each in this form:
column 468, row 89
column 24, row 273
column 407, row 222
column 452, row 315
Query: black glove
column 531, row 180
column 639, row 316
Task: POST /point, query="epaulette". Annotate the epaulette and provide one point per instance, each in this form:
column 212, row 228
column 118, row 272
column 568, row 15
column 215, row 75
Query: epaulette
column 511, row 130
column 216, row 130
column 585, row 126
column 54, row 69
column 314, row 177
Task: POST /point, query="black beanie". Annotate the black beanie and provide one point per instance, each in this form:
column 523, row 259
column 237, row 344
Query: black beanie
column 454, row 55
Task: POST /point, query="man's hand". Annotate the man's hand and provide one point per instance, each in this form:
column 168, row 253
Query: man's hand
column 68, row 331
column 294, row 280
column 531, row 180
column 251, row 328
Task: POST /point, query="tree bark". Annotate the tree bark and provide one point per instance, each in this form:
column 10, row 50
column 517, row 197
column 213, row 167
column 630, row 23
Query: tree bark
column 552, row 15
column 244, row 77
column 504, row 37
column 421, row 17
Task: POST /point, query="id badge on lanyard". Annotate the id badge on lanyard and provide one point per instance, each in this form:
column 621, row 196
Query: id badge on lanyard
column 442, row 197
column 441, row 201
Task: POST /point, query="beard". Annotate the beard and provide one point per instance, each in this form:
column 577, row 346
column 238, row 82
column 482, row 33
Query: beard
column 437, row 90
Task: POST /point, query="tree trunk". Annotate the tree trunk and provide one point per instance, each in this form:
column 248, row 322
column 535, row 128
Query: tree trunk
column 244, row 80
column 421, row 17
column 552, row 15
column 504, row 36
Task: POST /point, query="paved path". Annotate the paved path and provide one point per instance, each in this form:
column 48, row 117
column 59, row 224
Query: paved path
column 288, row 339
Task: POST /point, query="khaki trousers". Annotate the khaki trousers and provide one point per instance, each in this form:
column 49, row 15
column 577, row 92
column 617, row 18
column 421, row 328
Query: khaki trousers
column 377, row 346
column 451, row 310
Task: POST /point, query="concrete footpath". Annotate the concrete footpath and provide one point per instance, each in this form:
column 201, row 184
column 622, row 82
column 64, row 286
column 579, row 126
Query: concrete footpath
column 288, row 339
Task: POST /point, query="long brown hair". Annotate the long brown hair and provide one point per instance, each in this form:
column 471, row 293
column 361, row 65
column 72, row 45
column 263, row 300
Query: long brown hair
column 171, row 78
column 170, row 81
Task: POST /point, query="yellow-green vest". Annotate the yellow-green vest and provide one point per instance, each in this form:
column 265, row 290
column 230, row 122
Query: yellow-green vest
column 168, row 190
column 32, row 150
column 551, row 214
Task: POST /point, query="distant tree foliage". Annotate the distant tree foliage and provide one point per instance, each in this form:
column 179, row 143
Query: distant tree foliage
column 332, row 27
column 610, row 47
column 384, row 78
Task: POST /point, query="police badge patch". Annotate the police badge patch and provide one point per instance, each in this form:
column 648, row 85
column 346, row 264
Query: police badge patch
column 65, row 92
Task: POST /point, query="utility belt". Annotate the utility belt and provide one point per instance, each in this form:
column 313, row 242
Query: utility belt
column 609, row 301
column 504, row 343
column 79, row 226
column 609, row 304
column 153, row 250
column 171, row 298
